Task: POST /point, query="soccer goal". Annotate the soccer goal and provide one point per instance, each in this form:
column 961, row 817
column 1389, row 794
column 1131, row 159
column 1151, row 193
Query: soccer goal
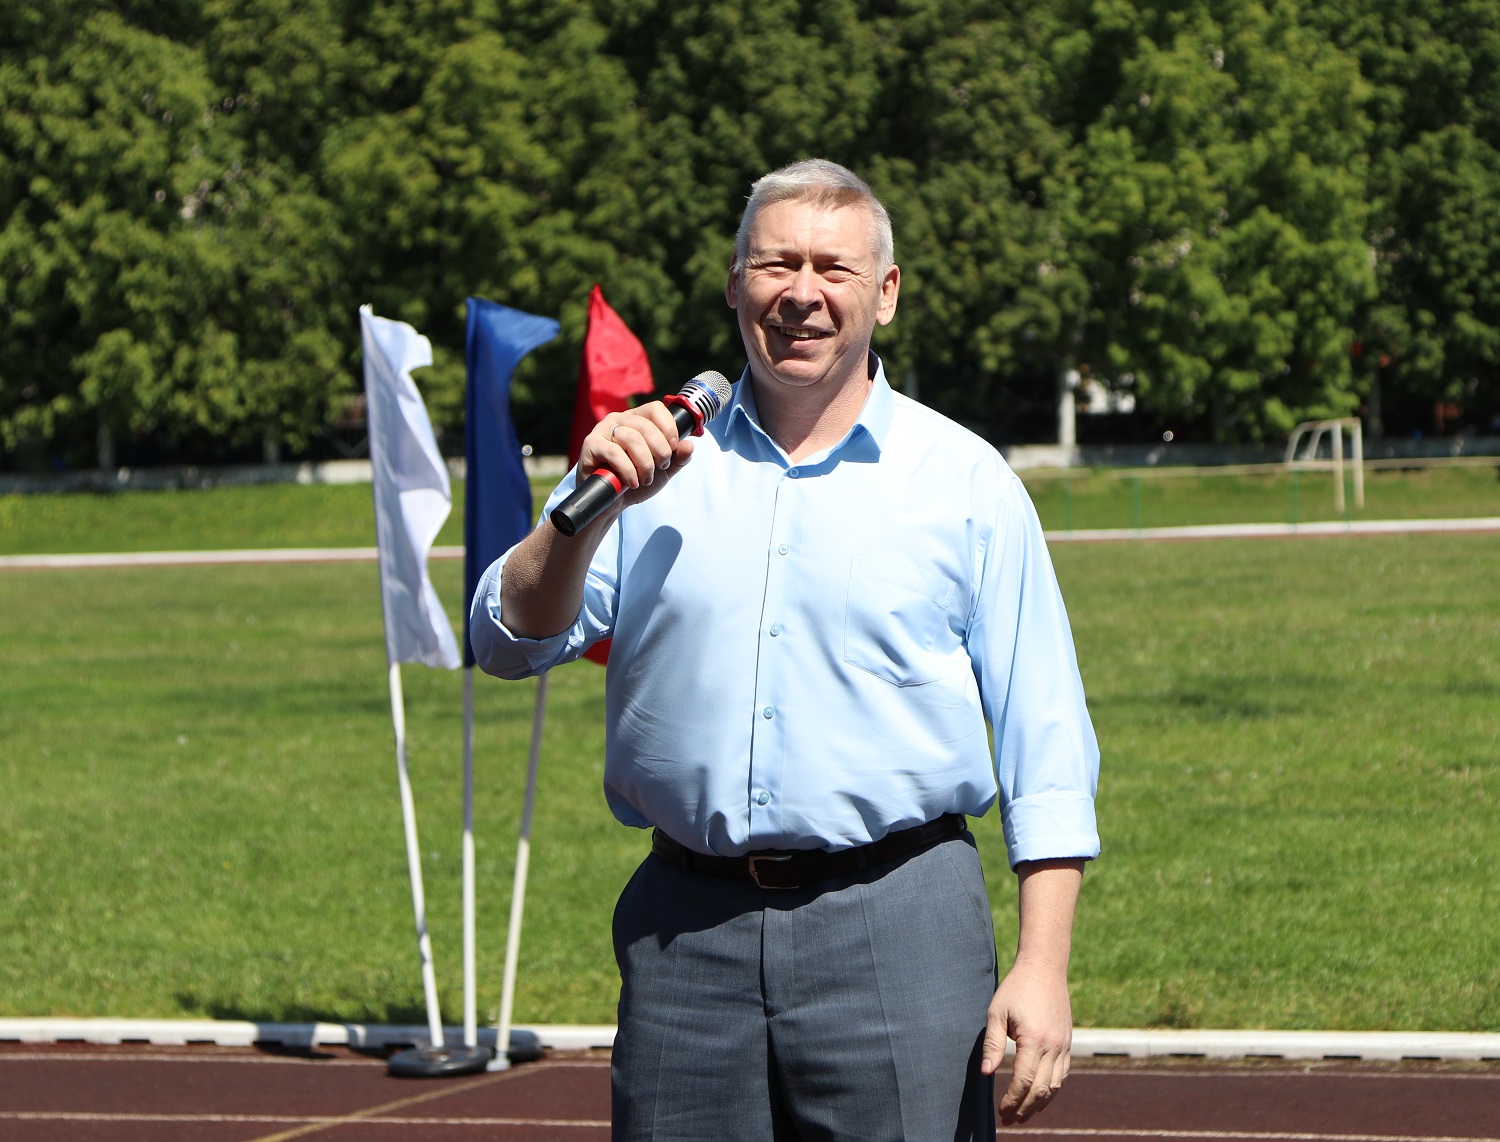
column 1306, row 442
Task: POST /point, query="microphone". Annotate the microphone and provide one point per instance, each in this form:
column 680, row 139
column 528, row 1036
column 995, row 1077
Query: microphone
column 700, row 400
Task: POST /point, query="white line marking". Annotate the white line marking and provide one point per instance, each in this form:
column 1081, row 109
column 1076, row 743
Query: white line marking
column 597, row 1124
column 1267, row 1135
column 315, row 1119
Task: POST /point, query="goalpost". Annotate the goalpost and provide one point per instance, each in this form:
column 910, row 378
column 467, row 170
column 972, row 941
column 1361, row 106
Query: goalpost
column 1305, row 459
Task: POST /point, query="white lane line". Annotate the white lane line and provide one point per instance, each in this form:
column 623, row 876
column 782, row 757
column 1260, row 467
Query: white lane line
column 598, row 1124
column 307, row 1119
column 1255, row 1135
column 1202, row 1049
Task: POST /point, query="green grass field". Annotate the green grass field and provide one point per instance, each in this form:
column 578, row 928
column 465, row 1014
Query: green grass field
column 1298, row 802
column 332, row 515
column 1103, row 499
column 271, row 515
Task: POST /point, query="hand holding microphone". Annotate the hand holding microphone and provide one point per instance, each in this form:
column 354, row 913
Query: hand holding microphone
column 626, row 450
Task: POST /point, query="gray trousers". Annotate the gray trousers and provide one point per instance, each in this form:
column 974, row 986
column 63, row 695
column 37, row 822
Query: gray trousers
column 853, row 1009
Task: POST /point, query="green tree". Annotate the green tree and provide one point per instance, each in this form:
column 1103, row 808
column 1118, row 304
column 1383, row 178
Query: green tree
column 965, row 152
column 1209, row 202
column 1433, row 332
column 1213, row 205
column 288, row 78
column 109, row 299
column 935, row 102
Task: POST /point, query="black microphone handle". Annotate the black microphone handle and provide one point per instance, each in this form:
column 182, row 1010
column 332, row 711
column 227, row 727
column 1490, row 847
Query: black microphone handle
column 596, row 492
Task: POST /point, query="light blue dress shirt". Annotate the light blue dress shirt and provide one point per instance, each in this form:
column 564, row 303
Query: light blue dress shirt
column 805, row 655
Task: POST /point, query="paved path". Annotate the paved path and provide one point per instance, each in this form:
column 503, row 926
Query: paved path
column 207, row 558
column 225, row 1094
column 1280, row 530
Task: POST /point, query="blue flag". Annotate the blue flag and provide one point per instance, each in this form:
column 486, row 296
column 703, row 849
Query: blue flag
column 497, row 494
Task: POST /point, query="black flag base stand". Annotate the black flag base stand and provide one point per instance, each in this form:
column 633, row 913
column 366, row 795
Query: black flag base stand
column 448, row 1060
column 438, row 1062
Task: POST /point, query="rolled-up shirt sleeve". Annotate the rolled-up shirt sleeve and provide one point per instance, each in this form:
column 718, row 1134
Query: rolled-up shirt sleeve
column 501, row 652
column 1046, row 754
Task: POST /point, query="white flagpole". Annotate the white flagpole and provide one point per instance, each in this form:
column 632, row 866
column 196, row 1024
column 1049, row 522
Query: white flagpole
column 471, row 1021
column 414, row 859
column 518, row 889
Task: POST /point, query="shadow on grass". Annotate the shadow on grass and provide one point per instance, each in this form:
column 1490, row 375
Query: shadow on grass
column 397, row 1014
column 1470, row 687
column 1230, row 698
column 1219, row 703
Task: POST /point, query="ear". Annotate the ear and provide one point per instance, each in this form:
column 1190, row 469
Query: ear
column 732, row 286
column 890, row 288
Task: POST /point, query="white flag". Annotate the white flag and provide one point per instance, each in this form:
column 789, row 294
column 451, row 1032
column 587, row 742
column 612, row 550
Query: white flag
column 412, row 494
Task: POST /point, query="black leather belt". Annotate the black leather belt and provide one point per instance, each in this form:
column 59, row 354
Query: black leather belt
column 794, row 868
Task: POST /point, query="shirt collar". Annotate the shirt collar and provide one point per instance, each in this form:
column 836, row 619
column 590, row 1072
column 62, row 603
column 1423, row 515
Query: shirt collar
column 868, row 432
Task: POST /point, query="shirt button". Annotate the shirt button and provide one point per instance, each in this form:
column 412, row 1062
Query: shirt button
column 775, row 629
column 764, row 798
column 783, row 549
column 768, row 712
column 793, row 473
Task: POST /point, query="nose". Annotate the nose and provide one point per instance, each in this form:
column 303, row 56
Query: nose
column 803, row 290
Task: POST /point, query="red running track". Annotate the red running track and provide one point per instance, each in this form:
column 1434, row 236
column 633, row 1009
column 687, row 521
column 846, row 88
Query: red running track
column 216, row 1094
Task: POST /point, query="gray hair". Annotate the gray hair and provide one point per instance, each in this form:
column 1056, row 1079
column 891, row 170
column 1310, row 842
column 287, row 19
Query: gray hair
column 821, row 183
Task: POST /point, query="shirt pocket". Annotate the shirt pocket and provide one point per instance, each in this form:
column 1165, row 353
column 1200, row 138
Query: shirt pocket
column 896, row 621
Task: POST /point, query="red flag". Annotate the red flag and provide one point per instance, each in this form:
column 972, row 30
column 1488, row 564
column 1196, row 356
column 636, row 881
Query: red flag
column 614, row 368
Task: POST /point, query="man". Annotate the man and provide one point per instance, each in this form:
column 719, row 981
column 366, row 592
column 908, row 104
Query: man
column 812, row 622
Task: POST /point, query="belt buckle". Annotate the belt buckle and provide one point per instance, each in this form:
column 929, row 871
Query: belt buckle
column 755, row 873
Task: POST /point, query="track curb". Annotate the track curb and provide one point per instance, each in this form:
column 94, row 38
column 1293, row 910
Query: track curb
column 249, row 1033
column 1088, row 1042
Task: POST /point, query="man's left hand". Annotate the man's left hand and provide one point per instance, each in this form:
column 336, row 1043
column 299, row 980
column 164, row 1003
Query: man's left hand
column 1032, row 1007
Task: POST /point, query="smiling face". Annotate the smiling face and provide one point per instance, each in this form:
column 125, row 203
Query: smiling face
column 809, row 293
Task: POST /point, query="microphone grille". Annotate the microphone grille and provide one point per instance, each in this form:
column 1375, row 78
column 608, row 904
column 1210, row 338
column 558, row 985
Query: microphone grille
column 708, row 393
